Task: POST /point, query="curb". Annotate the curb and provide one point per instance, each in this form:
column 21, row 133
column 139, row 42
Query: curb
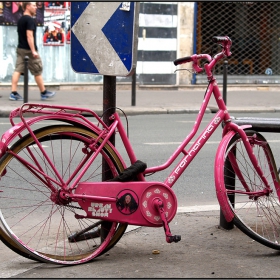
column 5, row 112
column 128, row 86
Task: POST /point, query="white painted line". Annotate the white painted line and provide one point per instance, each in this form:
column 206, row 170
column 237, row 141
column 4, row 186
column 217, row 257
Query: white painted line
column 178, row 143
column 198, row 208
column 186, row 209
column 272, row 141
column 209, row 142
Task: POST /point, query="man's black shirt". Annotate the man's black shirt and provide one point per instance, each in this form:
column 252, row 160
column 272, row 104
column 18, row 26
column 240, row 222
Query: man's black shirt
column 25, row 23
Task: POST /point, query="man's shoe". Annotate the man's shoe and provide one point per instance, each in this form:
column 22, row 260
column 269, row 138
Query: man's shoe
column 47, row 95
column 15, row 96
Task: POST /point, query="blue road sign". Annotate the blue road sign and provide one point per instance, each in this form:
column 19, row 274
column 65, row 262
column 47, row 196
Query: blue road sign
column 104, row 37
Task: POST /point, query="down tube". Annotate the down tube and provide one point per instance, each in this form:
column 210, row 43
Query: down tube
column 194, row 149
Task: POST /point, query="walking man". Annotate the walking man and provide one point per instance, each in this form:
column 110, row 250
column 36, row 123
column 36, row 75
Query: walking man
column 26, row 29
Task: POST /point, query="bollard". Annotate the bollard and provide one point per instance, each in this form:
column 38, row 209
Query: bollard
column 133, row 92
column 25, row 83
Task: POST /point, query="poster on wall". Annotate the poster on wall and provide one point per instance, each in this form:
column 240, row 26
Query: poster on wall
column 68, row 35
column 55, row 23
column 11, row 12
column 54, row 17
column 54, row 34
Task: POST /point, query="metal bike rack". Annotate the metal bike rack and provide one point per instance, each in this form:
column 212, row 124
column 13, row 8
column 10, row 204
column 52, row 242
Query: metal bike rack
column 259, row 125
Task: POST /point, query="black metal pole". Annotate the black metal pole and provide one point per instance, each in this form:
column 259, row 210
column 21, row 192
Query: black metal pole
column 25, row 83
column 133, row 92
column 109, row 102
column 109, row 107
column 225, row 81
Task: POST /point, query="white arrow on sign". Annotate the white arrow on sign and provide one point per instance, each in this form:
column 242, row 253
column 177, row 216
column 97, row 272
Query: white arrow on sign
column 88, row 31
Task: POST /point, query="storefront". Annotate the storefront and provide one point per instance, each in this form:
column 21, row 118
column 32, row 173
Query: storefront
column 254, row 28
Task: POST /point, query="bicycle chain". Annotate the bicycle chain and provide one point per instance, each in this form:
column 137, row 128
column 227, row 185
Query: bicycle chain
column 76, row 207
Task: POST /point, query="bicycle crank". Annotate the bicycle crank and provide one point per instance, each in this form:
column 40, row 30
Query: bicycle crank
column 169, row 237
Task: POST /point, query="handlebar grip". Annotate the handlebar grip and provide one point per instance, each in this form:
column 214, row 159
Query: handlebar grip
column 182, row 60
column 225, row 42
column 220, row 39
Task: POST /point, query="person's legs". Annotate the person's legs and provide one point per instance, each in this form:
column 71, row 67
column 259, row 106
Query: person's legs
column 36, row 69
column 40, row 82
column 14, row 95
column 15, row 79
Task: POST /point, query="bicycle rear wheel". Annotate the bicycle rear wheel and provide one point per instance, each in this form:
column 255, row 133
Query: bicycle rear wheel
column 256, row 212
column 49, row 231
column 9, row 242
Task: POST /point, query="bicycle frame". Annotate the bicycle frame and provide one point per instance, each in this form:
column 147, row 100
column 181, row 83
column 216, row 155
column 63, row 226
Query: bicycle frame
column 88, row 194
column 106, row 132
column 116, row 125
column 190, row 154
column 221, row 116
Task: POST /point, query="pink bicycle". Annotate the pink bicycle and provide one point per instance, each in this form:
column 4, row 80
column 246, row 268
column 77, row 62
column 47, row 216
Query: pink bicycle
column 67, row 195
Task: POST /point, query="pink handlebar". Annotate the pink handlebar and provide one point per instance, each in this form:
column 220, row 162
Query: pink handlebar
column 194, row 58
column 224, row 41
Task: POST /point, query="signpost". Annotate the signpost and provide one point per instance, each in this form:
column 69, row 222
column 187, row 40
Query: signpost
column 104, row 41
column 104, row 37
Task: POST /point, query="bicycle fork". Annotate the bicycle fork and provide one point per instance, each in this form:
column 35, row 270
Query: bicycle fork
column 254, row 161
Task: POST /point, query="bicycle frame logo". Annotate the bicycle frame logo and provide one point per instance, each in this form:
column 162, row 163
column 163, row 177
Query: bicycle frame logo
column 100, row 210
column 198, row 144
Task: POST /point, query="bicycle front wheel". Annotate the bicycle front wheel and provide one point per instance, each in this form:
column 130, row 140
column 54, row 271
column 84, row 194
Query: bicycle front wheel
column 256, row 210
column 41, row 227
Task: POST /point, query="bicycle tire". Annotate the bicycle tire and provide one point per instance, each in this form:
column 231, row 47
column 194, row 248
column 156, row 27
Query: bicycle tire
column 257, row 215
column 10, row 243
column 14, row 188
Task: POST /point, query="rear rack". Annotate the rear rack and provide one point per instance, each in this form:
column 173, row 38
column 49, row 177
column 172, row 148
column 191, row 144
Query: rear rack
column 67, row 112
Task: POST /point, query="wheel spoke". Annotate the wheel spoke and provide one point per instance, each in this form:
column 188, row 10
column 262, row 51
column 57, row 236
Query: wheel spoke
column 34, row 215
column 256, row 208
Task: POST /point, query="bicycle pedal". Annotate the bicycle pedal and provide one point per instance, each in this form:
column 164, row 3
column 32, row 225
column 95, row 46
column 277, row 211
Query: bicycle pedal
column 173, row 238
column 84, row 236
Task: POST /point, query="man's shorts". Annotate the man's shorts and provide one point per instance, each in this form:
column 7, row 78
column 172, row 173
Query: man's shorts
column 34, row 64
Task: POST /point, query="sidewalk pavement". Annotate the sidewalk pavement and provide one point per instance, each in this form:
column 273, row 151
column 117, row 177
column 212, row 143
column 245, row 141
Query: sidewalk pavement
column 164, row 101
column 206, row 250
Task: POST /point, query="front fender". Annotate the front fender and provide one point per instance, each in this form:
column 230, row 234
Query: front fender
column 219, row 176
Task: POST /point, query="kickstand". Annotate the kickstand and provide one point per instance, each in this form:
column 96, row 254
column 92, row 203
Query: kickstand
column 169, row 237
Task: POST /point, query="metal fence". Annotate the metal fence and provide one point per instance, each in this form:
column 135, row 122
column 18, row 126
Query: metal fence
column 254, row 28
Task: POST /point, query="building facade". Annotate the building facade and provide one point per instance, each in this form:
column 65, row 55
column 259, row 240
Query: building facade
column 169, row 30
